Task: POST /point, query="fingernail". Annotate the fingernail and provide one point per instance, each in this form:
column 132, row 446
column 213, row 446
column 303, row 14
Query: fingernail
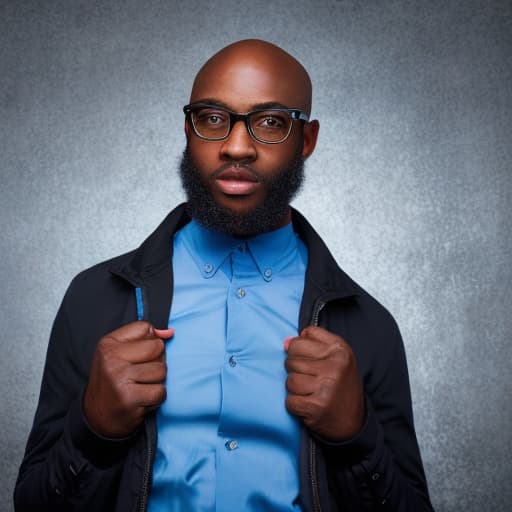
column 287, row 342
column 165, row 334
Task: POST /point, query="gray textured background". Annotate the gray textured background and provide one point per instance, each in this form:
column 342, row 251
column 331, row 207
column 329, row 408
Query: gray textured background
column 413, row 165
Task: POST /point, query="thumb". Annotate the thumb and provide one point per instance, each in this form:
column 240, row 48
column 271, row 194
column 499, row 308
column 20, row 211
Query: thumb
column 164, row 334
column 287, row 342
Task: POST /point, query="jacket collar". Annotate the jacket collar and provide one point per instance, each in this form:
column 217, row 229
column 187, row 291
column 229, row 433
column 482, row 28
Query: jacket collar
column 323, row 273
column 155, row 252
column 327, row 280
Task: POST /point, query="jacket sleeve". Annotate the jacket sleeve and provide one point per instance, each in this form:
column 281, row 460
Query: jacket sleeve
column 66, row 466
column 381, row 468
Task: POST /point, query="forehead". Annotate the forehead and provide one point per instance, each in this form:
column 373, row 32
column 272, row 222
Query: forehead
column 241, row 83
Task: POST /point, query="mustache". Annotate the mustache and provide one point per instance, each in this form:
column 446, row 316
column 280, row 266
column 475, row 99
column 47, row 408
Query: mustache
column 237, row 165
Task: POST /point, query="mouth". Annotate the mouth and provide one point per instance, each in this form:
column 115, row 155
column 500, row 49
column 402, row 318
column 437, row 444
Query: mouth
column 236, row 181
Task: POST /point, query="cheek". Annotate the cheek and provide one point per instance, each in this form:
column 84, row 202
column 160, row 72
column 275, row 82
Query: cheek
column 280, row 156
column 205, row 155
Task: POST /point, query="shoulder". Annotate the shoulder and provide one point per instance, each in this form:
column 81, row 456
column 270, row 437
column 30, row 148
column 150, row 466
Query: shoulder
column 99, row 276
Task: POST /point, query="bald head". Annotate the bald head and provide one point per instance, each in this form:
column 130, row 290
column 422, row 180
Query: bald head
column 253, row 72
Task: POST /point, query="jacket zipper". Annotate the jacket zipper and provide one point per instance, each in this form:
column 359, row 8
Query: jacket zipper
column 141, row 315
column 319, row 305
column 317, row 507
column 147, row 469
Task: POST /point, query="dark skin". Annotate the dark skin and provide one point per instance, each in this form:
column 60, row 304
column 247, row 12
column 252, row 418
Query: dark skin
column 128, row 369
column 243, row 77
column 126, row 379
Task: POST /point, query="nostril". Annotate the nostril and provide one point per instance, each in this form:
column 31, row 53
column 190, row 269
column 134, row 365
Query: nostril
column 239, row 145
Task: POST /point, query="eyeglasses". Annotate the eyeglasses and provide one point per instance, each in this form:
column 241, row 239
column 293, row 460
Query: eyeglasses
column 270, row 125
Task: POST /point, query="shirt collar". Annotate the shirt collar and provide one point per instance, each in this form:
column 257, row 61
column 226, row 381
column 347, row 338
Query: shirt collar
column 271, row 251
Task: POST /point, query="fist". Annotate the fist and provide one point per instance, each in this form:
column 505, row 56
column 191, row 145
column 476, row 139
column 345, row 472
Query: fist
column 127, row 379
column 323, row 384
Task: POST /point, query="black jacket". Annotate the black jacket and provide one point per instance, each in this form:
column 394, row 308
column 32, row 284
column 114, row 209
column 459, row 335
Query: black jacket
column 68, row 467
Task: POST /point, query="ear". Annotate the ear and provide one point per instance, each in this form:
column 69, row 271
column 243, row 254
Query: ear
column 187, row 129
column 310, row 134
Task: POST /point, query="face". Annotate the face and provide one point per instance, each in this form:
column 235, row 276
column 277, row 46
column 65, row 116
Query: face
column 239, row 175
column 273, row 210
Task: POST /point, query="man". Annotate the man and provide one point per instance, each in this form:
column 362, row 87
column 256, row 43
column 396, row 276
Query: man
column 228, row 363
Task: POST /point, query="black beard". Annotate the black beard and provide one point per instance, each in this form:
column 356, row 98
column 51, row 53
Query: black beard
column 280, row 190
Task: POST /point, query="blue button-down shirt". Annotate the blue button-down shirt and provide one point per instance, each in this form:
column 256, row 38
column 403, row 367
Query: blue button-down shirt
column 225, row 439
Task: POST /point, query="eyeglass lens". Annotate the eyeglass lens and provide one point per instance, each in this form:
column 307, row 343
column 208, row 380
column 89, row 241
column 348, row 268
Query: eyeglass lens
column 266, row 126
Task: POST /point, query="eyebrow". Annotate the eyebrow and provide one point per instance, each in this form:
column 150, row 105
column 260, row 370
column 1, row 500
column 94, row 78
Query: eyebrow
column 258, row 106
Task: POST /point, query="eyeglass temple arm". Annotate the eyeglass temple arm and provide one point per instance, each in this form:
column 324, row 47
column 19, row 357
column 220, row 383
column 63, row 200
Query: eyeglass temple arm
column 300, row 115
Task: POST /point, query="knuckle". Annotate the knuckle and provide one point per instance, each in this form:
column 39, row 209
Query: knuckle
column 161, row 370
column 142, row 325
column 140, row 329
column 290, row 383
column 123, row 399
column 307, row 331
column 290, row 403
column 159, row 394
column 343, row 354
column 314, row 407
column 105, row 344
column 326, row 391
column 109, row 368
column 157, row 348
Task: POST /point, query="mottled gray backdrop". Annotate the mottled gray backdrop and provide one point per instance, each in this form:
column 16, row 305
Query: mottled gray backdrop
column 411, row 184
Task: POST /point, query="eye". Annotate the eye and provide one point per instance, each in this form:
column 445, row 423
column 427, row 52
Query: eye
column 211, row 117
column 270, row 121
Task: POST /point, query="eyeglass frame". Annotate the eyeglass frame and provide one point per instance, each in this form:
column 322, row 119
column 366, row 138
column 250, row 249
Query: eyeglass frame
column 296, row 114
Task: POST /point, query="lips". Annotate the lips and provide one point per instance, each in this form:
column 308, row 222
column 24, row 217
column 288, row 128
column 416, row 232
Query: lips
column 235, row 180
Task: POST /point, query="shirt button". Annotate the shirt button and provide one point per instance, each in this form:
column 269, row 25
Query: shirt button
column 240, row 293
column 208, row 268
column 268, row 272
column 375, row 476
column 232, row 361
column 231, row 445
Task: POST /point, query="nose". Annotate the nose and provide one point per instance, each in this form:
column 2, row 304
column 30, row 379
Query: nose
column 239, row 145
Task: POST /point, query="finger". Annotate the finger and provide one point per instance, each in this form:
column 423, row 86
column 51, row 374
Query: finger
column 140, row 351
column 153, row 372
column 133, row 331
column 148, row 395
column 320, row 334
column 303, row 366
column 309, row 348
column 300, row 384
column 287, row 342
column 164, row 334
column 301, row 406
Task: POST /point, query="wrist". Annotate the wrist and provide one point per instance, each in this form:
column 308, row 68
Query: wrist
column 94, row 446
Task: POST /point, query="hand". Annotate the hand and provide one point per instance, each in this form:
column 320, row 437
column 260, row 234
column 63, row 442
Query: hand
column 127, row 379
column 324, row 388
